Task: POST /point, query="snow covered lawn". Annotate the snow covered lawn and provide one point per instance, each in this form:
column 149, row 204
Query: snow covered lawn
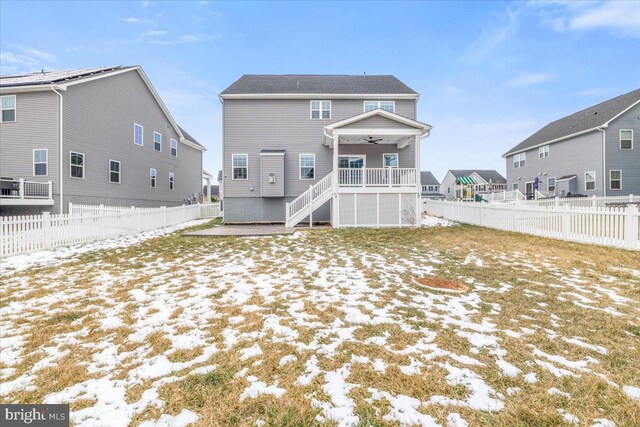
column 327, row 326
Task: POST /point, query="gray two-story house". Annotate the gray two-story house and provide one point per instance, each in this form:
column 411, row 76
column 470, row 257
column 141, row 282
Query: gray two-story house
column 430, row 186
column 342, row 149
column 592, row 152
column 92, row 136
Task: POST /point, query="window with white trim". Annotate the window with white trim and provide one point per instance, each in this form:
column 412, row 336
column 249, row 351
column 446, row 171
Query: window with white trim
column 8, row 104
column 240, row 166
column 114, row 171
column 138, row 132
column 551, row 185
column 76, row 165
column 320, row 109
column 389, row 106
column 40, row 162
column 307, row 166
column 174, row 147
column 590, row 181
column 519, row 160
column 626, row 139
column 153, row 174
column 515, row 186
column 543, row 152
column 615, row 179
column 157, row 141
column 390, row 160
column 172, row 179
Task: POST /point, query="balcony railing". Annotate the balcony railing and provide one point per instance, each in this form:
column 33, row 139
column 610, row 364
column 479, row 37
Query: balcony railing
column 19, row 189
column 377, row 177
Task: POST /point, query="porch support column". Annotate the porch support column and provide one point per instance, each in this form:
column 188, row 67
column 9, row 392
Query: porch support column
column 208, row 190
column 335, row 207
column 418, row 183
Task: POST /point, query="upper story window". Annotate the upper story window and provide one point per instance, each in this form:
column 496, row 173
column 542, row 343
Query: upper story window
column 40, row 160
column 153, row 174
column 240, row 166
column 519, row 160
column 114, row 171
column 590, row 181
column 157, row 141
column 307, row 166
column 174, row 147
column 615, row 179
column 77, row 165
column 320, row 109
column 172, row 179
column 390, row 160
column 626, row 139
column 8, row 108
column 543, row 152
column 515, row 186
column 389, row 106
column 137, row 134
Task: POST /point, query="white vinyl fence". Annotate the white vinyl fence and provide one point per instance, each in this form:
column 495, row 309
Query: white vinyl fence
column 21, row 234
column 610, row 226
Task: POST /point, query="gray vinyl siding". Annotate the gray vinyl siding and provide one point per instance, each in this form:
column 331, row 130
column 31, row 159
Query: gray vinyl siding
column 252, row 125
column 272, row 164
column 98, row 121
column 36, row 127
column 447, row 186
column 576, row 155
column 626, row 160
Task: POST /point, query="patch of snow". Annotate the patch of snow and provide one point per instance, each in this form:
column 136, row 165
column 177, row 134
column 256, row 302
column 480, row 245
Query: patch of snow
column 183, row 419
column 632, row 392
column 258, row 387
column 434, row 221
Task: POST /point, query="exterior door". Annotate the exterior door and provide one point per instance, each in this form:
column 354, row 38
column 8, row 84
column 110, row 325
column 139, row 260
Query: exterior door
column 351, row 169
column 529, row 190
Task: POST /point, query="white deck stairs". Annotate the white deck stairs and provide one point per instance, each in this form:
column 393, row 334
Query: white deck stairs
column 305, row 204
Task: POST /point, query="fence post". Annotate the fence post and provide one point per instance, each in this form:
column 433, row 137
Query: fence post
column 631, row 227
column 594, row 201
column 138, row 220
column 481, row 215
column 70, row 208
column 513, row 216
column 101, row 213
column 184, row 213
column 566, row 222
column 46, row 229
column 310, row 206
column 164, row 216
column 557, row 201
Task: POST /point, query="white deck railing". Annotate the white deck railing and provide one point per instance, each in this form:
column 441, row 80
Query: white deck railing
column 305, row 199
column 610, row 226
column 21, row 189
column 377, row 177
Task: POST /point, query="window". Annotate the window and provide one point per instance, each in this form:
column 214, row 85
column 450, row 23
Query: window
column 8, row 108
column 114, row 171
column 307, row 166
column 448, row 190
column 389, row 106
column 519, row 160
column 240, row 166
column 551, row 185
column 320, row 109
column 137, row 134
column 514, row 186
column 626, row 139
column 157, row 141
column 174, row 147
column 152, row 177
column 424, row 188
column 390, row 160
column 40, row 159
column 171, row 180
column 543, row 152
column 590, row 181
column 77, row 165
column 615, row 179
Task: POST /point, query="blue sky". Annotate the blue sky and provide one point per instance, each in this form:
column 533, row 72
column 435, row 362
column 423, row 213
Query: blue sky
column 489, row 73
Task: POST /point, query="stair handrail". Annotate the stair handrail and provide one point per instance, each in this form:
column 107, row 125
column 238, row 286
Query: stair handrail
column 308, row 196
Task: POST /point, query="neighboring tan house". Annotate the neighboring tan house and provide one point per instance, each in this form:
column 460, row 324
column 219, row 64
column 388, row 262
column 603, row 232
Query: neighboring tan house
column 343, row 148
column 592, row 152
column 487, row 181
column 92, row 136
column 430, row 186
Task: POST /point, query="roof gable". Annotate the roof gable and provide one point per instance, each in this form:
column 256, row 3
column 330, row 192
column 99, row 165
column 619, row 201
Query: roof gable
column 486, row 174
column 427, row 178
column 393, row 119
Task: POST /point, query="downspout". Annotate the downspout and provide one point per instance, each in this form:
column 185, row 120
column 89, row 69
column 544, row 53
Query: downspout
column 60, row 155
column 604, row 163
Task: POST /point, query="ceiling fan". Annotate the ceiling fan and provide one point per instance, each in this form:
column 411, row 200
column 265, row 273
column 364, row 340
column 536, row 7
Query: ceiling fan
column 371, row 140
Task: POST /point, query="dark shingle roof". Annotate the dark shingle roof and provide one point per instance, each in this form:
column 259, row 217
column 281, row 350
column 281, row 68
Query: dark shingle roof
column 320, row 84
column 427, row 178
column 189, row 137
column 583, row 120
column 50, row 77
column 486, row 174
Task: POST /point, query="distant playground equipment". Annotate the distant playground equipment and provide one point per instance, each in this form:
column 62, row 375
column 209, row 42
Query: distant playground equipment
column 465, row 189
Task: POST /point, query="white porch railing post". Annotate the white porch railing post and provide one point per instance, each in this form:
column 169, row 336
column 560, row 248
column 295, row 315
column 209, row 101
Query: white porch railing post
column 310, row 206
column 50, row 188
column 21, row 188
column 46, row 230
column 594, row 201
column 631, row 227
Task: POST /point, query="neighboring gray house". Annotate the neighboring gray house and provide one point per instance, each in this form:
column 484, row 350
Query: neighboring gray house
column 342, row 148
column 488, row 181
column 592, row 152
column 92, row 136
column 430, row 186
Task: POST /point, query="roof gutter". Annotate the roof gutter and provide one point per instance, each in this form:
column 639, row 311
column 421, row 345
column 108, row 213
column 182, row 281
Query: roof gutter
column 318, row 95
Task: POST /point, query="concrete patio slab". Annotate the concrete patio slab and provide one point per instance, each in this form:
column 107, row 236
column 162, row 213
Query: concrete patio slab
column 243, row 230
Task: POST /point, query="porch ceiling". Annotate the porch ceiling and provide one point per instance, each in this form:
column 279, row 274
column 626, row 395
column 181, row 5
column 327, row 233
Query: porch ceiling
column 401, row 140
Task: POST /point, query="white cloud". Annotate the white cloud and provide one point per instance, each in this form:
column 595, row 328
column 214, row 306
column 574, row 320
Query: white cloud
column 130, row 20
column 529, row 79
column 492, row 36
column 189, row 38
column 154, row 33
column 146, row 3
column 20, row 58
column 596, row 92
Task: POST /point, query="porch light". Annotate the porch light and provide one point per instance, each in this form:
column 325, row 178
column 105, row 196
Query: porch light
column 272, row 178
